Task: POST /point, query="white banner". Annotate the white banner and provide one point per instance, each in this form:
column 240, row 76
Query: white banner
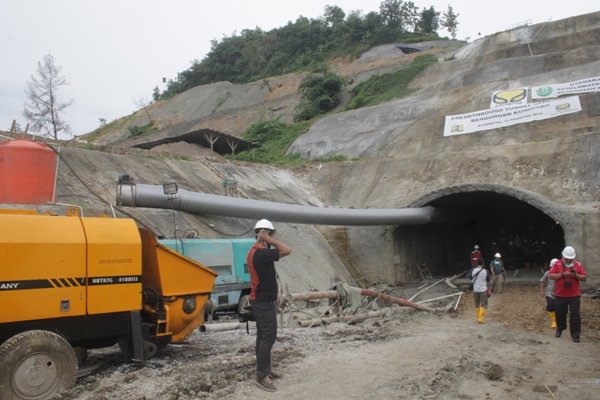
column 499, row 117
column 509, row 97
column 554, row 91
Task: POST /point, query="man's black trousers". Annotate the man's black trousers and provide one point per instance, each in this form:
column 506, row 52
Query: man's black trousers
column 266, row 333
column 571, row 304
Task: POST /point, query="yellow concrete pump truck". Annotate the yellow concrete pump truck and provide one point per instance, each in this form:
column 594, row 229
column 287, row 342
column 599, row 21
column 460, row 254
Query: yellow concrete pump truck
column 71, row 283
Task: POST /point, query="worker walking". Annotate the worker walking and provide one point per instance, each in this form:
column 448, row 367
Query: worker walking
column 547, row 292
column 479, row 276
column 263, row 276
column 498, row 273
column 567, row 274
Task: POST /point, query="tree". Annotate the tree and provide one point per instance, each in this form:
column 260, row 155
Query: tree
column 430, row 21
column 43, row 110
column 156, row 94
column 390, row 12
column 450, row 21
column 333, row 15
column 410, row 16
column 142, row 102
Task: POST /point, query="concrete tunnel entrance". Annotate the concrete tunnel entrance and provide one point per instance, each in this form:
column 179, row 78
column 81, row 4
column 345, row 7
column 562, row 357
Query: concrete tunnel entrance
column 523, row 234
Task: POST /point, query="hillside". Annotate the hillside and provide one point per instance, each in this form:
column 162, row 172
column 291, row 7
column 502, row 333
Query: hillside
column 230, row 108
column 545, row 172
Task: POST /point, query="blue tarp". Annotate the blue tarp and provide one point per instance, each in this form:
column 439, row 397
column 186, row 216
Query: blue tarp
column 408, row 50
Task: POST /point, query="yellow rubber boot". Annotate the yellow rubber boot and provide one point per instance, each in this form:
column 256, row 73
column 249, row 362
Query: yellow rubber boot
column 481, row 313
column 552, row 315
column 478, row 313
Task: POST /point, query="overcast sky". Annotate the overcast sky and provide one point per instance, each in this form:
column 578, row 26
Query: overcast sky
column 112, row 51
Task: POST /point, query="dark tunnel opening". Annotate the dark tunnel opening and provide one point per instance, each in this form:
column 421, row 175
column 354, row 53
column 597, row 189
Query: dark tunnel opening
column 524, row 235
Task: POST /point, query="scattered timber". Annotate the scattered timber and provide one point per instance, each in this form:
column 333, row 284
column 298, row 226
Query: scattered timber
column 332, row 294
column 349, row 319
column 427, row 288
column 439, row 298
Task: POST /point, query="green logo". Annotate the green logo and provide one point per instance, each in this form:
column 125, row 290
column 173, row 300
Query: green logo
column 544, row 91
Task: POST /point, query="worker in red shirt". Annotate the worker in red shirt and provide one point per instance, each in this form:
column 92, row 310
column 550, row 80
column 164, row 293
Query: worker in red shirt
column 263, row 276
column 566, row 274
column 475, row 255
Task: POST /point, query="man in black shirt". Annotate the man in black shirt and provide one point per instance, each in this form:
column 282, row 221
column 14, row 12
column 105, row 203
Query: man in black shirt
column 261, row 264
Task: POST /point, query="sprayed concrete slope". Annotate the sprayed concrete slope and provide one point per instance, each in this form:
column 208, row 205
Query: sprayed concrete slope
column 552, row 164
column 549, row 167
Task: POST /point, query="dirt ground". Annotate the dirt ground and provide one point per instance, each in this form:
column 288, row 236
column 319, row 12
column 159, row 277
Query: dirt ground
column 407, row 354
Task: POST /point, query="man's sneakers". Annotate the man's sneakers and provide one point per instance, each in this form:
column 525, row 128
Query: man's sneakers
column 266, row 384
column 275, row 375
column 576, row 340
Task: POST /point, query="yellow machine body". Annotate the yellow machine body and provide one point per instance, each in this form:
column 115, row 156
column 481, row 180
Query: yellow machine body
column 69, row 266
column 43, row 267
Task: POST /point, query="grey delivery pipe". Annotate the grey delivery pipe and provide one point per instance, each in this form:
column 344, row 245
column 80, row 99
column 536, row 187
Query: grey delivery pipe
column 153, row 196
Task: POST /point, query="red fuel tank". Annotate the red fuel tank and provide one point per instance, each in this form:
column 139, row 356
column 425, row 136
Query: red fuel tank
column 27, row 172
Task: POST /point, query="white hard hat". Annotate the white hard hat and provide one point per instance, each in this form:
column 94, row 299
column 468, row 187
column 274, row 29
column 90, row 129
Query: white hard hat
column 264, row 224
column 569, row 253
column 476, row 247
column 553, row 261
column 498, row 255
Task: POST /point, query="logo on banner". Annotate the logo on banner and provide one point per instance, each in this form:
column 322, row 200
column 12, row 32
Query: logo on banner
column 509, row 97
column 457, row 128
column 544, row 91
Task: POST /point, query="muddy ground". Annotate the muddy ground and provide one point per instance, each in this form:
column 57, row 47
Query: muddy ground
column 407, row 354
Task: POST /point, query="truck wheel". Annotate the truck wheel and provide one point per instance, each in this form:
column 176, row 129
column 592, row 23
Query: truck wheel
column 36, row 365
column 244, row 302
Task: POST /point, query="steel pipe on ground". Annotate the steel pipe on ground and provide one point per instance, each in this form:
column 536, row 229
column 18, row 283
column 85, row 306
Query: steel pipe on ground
column 330, row 294
column 227, row 326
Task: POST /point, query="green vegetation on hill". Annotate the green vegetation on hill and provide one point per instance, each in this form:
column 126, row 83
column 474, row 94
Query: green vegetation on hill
column 320, row 92
column 140, row 130
column 104, row 128
column 255, row 54
column 380, row 88
column 276, row 137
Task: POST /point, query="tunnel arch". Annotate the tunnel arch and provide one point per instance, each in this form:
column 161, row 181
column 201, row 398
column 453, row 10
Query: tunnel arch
column 528, row 229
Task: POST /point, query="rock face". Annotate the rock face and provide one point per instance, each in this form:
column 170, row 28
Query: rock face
column 530, row 188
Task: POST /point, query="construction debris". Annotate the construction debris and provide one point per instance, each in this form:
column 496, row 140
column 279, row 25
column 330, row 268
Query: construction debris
column 332, row 294
column 350, row 319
